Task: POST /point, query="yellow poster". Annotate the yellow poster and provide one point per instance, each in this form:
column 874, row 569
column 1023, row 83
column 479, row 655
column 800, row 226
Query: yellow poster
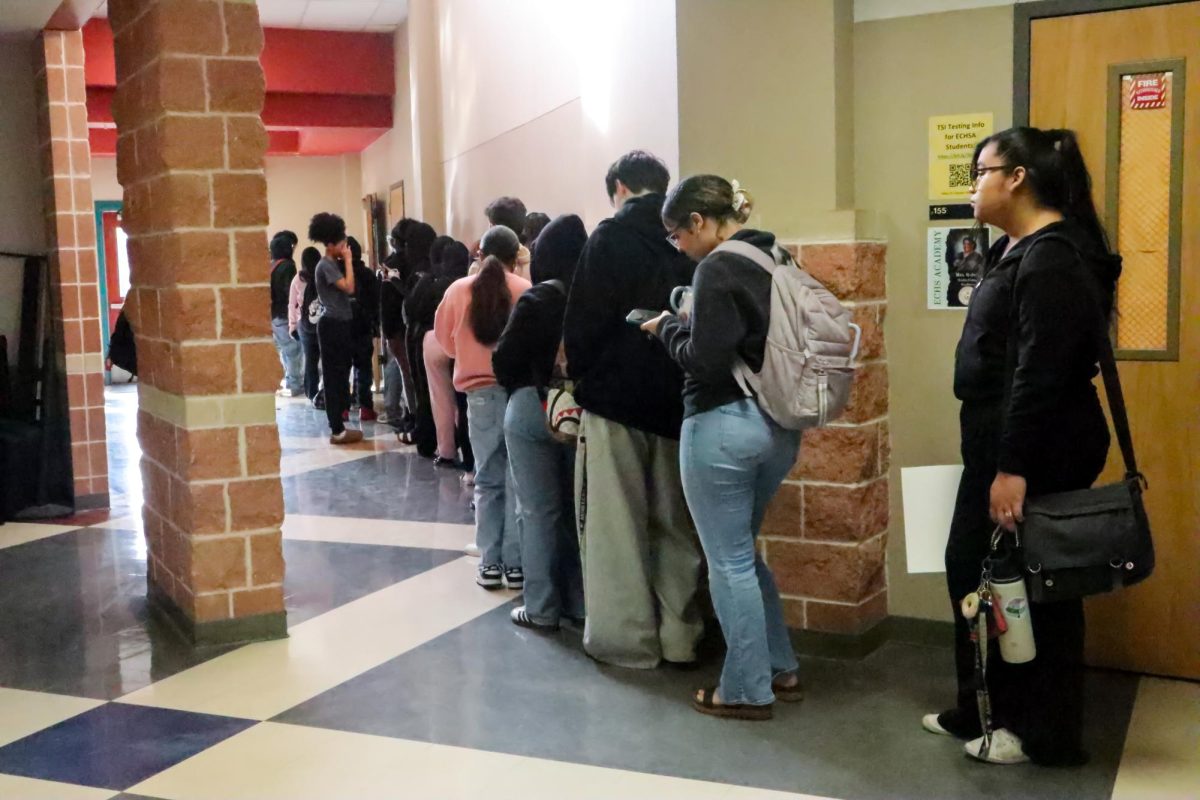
column 952, row 141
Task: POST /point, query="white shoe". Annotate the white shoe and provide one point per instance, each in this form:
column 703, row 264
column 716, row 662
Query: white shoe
column 471, row 549
column 930, row 723
column 1006, row 748
column 284, row 393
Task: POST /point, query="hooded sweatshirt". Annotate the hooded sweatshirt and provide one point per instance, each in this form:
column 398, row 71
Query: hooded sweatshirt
column 283, row 270
column 620, row 373
column 1030, row 341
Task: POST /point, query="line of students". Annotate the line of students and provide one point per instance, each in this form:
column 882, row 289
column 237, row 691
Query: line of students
column 675, row 464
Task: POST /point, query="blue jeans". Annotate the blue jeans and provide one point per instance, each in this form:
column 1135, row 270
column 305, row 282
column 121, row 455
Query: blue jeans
column 290, row 355
column 732, row 460
column 543, row 473
column 496, row 519
column 393, row 389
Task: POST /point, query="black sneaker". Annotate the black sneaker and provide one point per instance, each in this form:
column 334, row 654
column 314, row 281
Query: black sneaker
column 490, row 576
column 515, row 578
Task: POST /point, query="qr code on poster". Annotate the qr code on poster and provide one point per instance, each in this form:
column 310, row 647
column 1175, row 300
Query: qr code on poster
column 960, row 176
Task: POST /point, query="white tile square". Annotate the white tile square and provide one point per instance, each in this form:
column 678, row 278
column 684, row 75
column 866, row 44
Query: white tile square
column 24, row 713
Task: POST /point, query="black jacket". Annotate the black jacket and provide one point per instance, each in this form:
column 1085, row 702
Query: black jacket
column 1053, row 292
column 621, row 373
column 731, row 304
column 122, row 350
column 282, row 272
column 365, row 302
column 525, row 354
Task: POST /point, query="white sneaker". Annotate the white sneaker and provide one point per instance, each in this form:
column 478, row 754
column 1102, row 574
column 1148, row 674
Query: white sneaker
column 471, row 549
column 930, row 723
column 1006, row 748
column 284, row 393
column 347, row 436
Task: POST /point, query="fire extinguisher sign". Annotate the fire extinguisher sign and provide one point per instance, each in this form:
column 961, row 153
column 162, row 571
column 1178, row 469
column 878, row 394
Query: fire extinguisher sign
column 1148, row 90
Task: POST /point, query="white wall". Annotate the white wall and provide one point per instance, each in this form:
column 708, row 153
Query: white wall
column 539, row 97
column 389, row 159
column 21, row 211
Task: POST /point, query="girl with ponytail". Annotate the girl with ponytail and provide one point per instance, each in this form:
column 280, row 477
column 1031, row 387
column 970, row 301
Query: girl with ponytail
column 467, row 325
column 1031, row 421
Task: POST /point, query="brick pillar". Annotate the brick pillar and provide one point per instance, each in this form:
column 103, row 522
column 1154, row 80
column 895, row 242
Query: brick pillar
column 71, row 240
column 825, row 535
column 190, row 158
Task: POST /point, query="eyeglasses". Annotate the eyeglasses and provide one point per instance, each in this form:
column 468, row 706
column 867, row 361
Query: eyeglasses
column 978, row 172
column 673, row 237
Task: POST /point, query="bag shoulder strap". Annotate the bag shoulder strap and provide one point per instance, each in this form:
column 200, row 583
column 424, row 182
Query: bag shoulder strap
column 1108, row 368
column 747, row 250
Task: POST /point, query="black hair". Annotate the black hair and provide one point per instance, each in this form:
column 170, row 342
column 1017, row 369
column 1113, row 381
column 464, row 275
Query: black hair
column 437, row 250
column 710, row 196
column 557, row 250
column 308, row 263
column 418, row 240
column 327, row 229
column 491, row 301
column 970, row 239
column 355, row 249
column 289, row 235
column 399, row 231
column 535, row 222
column 500, row 241
column 456, row 260
column 1055, row 171
column 282, row 245
column 507, row 211
column 639, row 171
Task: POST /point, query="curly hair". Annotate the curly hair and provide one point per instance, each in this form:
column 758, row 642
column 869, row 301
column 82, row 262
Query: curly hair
column 327, row 229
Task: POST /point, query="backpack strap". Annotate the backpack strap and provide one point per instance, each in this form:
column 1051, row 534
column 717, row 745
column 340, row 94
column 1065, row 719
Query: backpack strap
column 747, row 250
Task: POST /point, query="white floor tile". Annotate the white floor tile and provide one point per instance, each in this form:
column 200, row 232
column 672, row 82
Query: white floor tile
column 272, row 761
column 261, row 680
column 14, row 788
column 23, row 713
column 15, row 533
column 132, row 522
column 1162, row 746
column 329, row 455
column 394, row 533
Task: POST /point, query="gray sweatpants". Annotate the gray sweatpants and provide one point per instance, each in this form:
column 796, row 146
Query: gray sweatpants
column 641, row 555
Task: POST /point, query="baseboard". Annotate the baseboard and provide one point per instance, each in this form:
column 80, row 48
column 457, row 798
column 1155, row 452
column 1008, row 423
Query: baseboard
column 90, row 502
column 854, row 646
column 258, row 628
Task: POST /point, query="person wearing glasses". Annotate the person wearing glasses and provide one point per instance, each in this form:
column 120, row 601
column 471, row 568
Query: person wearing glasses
column 1031, row 423
column 641, row 557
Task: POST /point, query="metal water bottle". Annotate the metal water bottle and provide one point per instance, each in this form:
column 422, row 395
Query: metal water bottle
column 1011, row 602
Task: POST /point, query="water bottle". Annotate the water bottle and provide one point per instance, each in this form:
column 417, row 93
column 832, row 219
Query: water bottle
column 1011, row 602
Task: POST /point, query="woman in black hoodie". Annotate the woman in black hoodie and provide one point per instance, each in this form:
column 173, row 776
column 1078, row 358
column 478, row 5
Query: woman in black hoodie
column 1031, row 422
column 543, row 468
column 732, row 456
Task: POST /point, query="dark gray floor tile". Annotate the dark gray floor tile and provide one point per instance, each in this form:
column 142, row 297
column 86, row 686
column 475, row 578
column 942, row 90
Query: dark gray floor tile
column 492, row 686
column 400, row 486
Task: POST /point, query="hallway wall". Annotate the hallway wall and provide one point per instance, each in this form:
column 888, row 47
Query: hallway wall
column 388, row 160
column 906, row 70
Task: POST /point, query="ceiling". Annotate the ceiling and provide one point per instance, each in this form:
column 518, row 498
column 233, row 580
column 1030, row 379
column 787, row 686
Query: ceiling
column 376, row 16
column 26, row 16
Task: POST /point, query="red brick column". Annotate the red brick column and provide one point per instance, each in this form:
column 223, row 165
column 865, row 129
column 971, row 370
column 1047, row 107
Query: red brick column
column 190, row 158
column 71, row 239
column 825, row 536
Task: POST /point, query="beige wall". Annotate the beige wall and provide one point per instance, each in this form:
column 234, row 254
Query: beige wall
column 297, row 188
column 543, row 117
column 21, row 225
column 389, row 159
column 907, row 70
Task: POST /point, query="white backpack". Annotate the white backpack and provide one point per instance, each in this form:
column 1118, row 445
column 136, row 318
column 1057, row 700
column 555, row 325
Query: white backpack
column 808, row 362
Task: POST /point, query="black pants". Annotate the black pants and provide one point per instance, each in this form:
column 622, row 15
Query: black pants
column 424, row 431
column 312, row 360
column 1040, row 701
column 337, row 347
column 364, row 372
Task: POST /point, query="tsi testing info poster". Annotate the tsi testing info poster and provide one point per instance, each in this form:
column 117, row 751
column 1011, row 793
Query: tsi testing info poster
column 952, row 141
column 955, row 265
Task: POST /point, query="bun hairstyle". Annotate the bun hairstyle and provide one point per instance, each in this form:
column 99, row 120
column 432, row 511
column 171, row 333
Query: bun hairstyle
column 1055, row 171
column 710, row 196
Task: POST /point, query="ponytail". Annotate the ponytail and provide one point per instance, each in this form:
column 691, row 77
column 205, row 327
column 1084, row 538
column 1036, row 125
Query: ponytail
column 491, row 301
column 1056, row 172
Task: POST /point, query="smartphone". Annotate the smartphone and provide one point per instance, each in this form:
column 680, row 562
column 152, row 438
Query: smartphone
column 641, row 315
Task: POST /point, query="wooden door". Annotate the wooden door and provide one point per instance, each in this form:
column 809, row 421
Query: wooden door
column 1076, row 62
column 110, row 222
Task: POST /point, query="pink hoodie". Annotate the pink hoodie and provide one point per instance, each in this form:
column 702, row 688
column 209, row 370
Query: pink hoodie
column 472, row 360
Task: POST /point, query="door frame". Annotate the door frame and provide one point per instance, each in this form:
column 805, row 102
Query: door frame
column 1023, row 16
column 101, row 208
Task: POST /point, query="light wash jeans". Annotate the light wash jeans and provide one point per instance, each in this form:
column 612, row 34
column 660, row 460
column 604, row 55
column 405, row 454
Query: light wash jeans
column 733, row 459
column 393, row 390
column 497, row 530
column 543, row 473
column 291, row 356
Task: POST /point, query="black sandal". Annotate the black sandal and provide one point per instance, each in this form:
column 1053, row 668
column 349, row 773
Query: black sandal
column 788, row 694
column 703, row 701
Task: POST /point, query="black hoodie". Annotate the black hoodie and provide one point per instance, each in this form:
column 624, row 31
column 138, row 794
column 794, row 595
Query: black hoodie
column 730, row 308
column 621, row 373
column 1054, row 292
column 283, row 269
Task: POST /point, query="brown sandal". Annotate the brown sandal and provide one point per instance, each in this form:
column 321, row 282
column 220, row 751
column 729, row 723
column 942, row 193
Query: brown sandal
column 703, row 701
column 788, row 694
